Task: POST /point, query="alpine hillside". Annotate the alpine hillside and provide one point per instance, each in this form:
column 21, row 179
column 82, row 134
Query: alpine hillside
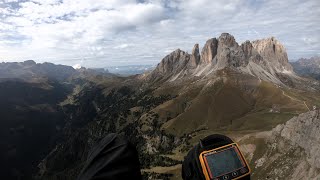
column 247, row 91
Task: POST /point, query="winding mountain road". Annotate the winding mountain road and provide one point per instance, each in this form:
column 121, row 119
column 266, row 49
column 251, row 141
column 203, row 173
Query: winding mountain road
column 295, row 99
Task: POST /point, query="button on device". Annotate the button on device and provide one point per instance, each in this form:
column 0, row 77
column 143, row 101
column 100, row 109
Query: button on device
column 234, row 174
column 225, row 177
column 243, row 170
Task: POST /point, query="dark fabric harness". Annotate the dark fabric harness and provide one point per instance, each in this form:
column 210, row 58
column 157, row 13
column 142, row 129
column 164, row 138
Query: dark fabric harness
column 113, row 158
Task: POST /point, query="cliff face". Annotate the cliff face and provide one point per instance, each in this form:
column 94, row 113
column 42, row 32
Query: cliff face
column 195, row 57
column 302, row 131
column 274, row 53
column 289, row 151
column 209, row 51
column 229, row 53
column 175, row 61
column 264, row 59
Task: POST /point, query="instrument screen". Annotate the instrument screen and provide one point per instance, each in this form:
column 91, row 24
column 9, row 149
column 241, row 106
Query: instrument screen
column 224, row 161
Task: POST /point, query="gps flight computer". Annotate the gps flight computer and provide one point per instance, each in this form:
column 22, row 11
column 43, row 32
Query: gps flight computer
column 215, row 157
column 223, row 163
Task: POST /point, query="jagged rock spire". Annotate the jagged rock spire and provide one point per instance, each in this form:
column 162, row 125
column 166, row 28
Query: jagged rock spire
column 195, row 57
column 229, row 53
column 209, row 51
column 264, row 58
column 173, row 62
column 227, row 39
column 273, row 52
column 247, row 49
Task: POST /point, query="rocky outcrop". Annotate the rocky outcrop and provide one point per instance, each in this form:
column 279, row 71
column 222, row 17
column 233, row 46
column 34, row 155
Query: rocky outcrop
column 265, row 59
column 177, row 61
column 247, row 49
column 274, row 53
column 229, row 53
column 303, row 131
column 209, row 51
column 174, row 62
column 195, row 57
column 227, row 40
column 252, row 54
column 290, row 151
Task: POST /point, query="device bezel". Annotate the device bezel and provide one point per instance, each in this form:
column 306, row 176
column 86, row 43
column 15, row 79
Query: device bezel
column 204, row 166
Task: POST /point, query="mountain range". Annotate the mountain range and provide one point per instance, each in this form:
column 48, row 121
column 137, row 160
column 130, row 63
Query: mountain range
column 262, row 58
column 52, row 115
column 128, row 70
column 308, row 67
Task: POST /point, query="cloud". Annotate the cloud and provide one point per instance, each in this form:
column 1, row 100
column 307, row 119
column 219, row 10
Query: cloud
column 77, row 66
column 122, row 46
column 142, row 32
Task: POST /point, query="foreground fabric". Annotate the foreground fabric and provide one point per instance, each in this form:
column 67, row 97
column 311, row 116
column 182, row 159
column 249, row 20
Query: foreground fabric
column 113, row 158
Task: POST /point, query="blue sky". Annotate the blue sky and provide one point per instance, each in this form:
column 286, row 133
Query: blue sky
column 100, row 33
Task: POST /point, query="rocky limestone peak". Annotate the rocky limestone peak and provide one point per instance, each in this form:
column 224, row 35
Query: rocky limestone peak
column 195, row 57
column 227, row 39
column 266, row 59
column 195, row 50
column 229, row 53
column 274, row 53
column 247, row 49
column 251, row 54
column 175, row 61
column 209, row 51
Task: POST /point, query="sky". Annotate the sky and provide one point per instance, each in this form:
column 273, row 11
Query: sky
column 101, row 33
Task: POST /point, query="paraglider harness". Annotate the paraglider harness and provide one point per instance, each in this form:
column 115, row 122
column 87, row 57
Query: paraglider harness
column 215, row 157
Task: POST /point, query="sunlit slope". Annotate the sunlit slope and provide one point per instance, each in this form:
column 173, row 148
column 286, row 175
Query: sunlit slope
column 228, row 105
column 234, row 109
column 211, row 110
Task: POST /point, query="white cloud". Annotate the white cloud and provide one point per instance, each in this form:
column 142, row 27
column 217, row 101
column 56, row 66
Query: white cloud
column 311, row 40
column 94, row 32
column 122, row 46
column 77, row 66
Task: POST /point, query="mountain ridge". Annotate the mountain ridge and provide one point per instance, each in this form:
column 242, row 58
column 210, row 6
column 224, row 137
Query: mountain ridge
column 264, row 59
column 216, row 89
column 308, row 67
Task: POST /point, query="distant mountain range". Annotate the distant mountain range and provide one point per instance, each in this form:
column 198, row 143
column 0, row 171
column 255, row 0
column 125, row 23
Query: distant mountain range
column 31, row 117
column 52, row 115
column 130, row 69
column 308, row 67
column 31, row 71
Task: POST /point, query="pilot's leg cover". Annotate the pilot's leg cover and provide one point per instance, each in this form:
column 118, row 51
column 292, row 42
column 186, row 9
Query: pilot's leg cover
column 113, row 158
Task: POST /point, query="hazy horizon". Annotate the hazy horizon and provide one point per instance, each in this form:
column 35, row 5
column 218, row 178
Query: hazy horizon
column 76, row 66
column 96, row 34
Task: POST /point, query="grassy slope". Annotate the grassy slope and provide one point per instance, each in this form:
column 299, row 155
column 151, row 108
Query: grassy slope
column 225, row 106
column 211, row 110
column 229, row 109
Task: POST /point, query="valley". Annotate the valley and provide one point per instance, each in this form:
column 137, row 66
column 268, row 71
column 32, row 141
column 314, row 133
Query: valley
column 248, row 92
